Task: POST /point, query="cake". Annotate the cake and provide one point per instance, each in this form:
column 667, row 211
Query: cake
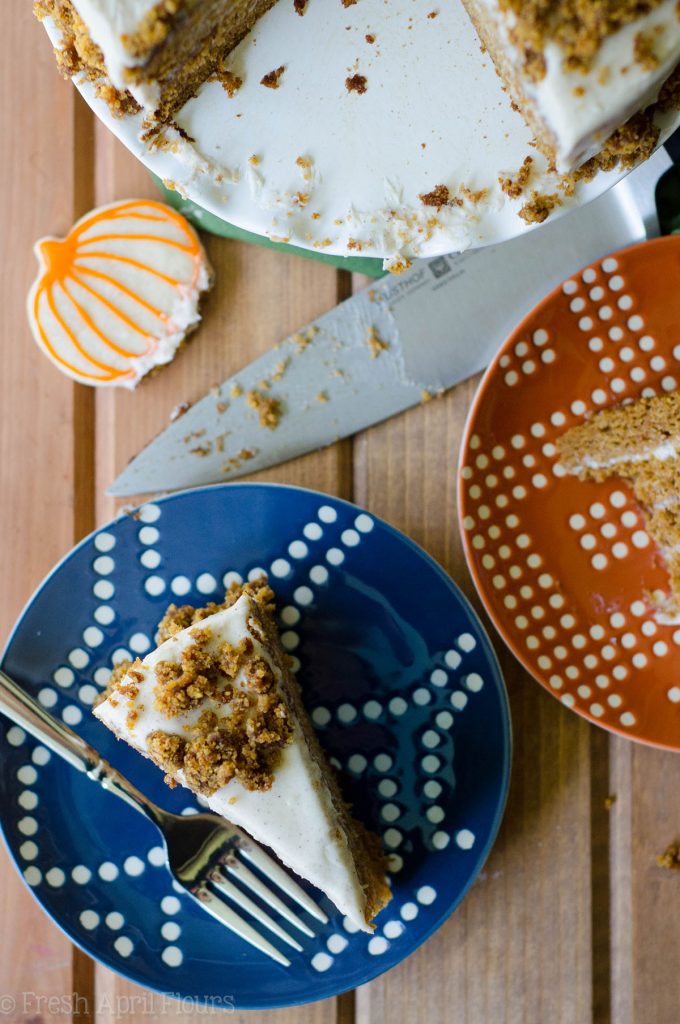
column 576, row 69
column 117, row 297
column 640, row 443
column 217, row 708
column 580, row 69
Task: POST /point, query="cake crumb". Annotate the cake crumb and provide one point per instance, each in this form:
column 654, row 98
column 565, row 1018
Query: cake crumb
column 268, row 409
column 179, row 411
column 670, row 858
column 474, row 196
column 300, row 6
column 397, row 264
column 514, row 185
column 644, row 53
column 539, row 207
column 272, row 79
column 304, row 338
column 375, row 343
column 280, row 369
column 236, row 390
column 305, row 165
column 230, row 82
column 322, row 396
column 356, row 83
column 438, row 197
column 609, row 802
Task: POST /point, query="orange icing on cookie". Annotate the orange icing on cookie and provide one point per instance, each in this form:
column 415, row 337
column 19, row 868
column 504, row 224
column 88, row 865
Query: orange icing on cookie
column 116, row 296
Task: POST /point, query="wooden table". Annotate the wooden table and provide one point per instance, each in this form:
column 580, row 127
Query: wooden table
column 571, row 921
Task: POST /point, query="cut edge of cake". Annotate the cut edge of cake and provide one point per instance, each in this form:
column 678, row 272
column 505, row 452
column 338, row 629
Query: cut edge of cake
column 638, row 442
column 232, row 728
column 571, row 98
column 159, row 57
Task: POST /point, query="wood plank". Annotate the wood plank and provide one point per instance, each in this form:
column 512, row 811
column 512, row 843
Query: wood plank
column 259, row 296
column 646, row 950
column 44, row 188
column 519, row 948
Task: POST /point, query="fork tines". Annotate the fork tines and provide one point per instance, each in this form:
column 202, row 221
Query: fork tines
column 219, row 895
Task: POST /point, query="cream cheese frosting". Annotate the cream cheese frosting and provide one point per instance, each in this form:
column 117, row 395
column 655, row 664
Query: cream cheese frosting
column 296, row 816
column 583, row 109
column 117, row 296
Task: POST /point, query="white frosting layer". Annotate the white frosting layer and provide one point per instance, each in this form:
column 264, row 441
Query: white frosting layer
column 582, row 110
column 295, row 817
column 664, row 451
column 108, row 22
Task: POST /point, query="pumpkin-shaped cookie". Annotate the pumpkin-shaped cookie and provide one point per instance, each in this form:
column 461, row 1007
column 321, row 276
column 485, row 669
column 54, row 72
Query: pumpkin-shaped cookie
column 118, row 295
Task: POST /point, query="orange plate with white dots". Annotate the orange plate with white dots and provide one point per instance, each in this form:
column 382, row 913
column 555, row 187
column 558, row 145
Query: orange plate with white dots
column 564, row 566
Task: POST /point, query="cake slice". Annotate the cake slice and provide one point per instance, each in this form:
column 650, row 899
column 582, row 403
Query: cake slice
column 640, row 443
column 218, row 709
column 578, row 71
column 152, row 54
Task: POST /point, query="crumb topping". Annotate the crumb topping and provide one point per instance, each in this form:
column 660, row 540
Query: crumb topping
column 579, row 27
column 242, row 731
column 178, row 618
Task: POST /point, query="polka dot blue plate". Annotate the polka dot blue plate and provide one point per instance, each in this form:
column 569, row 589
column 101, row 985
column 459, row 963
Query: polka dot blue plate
column 398, row 674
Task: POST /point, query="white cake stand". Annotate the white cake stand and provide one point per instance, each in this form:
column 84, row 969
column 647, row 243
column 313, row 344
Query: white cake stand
column 340, row 172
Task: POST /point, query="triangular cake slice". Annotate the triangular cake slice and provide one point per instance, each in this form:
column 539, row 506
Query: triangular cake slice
column 640, row 443
column 218, row 709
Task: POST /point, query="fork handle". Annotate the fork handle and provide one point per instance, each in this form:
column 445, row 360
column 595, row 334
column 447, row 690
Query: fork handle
column 17, row 705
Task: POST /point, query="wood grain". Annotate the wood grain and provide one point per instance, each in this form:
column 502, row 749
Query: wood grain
column 571, row 921
column 40, row 412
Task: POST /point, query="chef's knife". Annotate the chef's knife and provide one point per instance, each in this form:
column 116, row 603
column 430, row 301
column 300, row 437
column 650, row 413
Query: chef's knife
column 387, row 348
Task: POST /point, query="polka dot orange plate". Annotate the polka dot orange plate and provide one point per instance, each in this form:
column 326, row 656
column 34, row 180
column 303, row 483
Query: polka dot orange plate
column 565, row 567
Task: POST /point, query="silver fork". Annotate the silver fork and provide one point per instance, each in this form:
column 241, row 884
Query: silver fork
column 204, row 853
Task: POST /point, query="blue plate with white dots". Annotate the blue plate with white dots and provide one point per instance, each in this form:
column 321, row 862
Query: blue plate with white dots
column 402, row 685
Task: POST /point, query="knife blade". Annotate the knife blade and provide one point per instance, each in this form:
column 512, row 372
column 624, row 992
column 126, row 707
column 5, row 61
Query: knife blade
column 387, row 348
